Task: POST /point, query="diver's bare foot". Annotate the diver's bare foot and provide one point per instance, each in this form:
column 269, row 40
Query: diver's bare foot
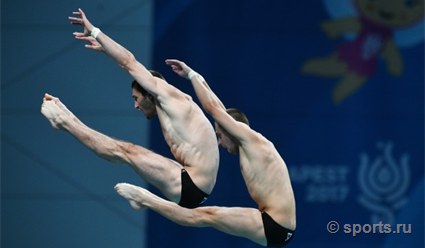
column 132, row 193
column 53, row 113
column 62, row 106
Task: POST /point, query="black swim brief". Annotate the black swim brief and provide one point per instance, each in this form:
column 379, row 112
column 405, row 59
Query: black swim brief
column 276, row 235
column 191, row 196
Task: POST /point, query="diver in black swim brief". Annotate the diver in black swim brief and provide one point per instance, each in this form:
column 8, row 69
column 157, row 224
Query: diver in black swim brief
column 263, row 169
column 276, row 235
column 191, row 196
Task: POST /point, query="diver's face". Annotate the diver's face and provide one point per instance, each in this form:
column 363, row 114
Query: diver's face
column 392, row 13
column 144, row 104
column 224, row 140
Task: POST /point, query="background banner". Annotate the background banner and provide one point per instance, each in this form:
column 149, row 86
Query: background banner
column 337, row 86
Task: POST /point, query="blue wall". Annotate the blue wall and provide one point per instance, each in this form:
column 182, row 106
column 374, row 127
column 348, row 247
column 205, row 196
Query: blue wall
column 357, row 162
column 54, row 191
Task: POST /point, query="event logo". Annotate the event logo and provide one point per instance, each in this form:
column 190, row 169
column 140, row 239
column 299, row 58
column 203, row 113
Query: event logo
column 323, row 183
column 371, row 31
column 383, row 182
